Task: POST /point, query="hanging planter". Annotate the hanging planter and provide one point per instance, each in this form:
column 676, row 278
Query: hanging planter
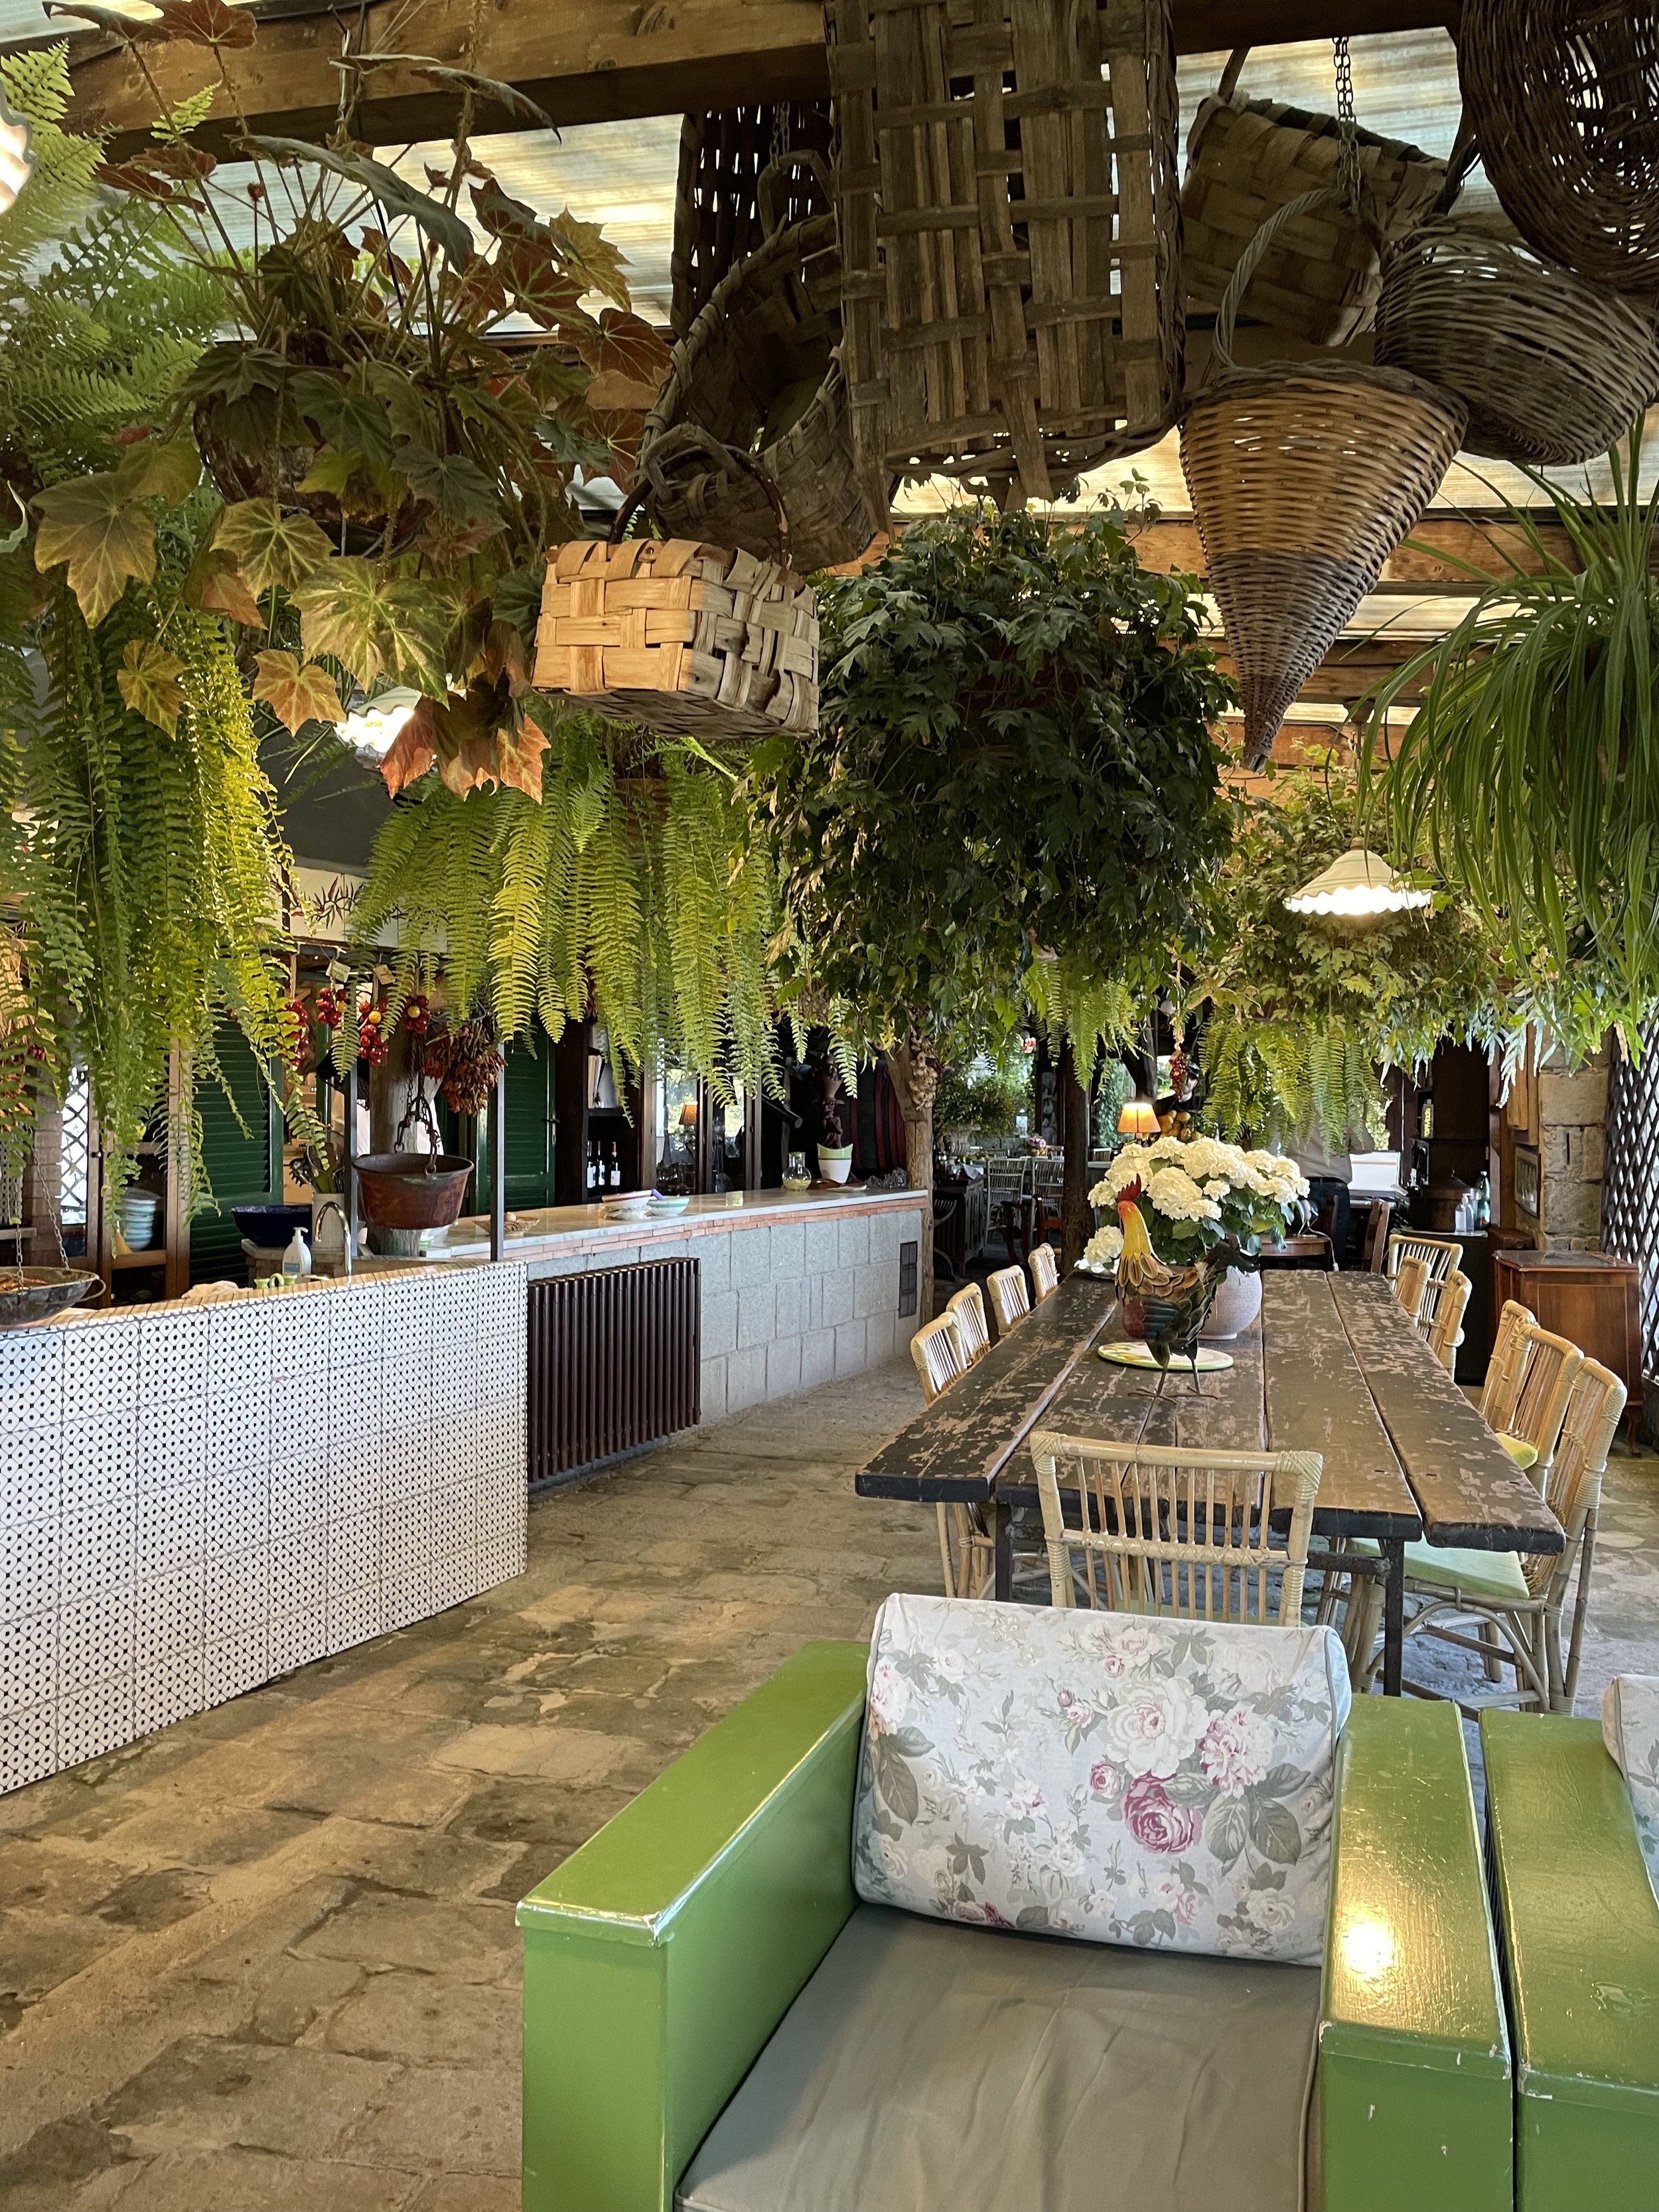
column 1551, row 369
column 717, row 213
column 756, row 384
column 1305, row 476
column 1010, row 235
column 1245, row 160
column 1560, row 96
column 685, row 638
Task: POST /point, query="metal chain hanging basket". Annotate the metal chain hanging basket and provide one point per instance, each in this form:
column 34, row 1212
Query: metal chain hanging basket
column 717, row 219
column 688, row 638
column 756, row 398
column 1305, row 476
column 1552, row 370
column 1010, row 235
column 1245, row 160
column 1564, row 98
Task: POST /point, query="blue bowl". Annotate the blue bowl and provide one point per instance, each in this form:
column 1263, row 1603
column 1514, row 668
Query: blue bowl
column 271, row 1227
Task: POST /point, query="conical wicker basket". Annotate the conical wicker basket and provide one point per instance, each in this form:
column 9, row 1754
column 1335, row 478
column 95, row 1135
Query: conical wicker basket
column 1551, row 369
column 717, row 213
column 1560, row 95
column 1304, row 477
column 756, row 384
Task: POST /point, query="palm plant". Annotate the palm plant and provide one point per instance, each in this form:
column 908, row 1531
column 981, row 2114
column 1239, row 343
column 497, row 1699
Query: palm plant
column 1530, row 770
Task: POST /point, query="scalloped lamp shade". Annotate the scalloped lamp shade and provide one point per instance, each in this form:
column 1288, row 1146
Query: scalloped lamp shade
column 1359, row 887
column 15, row 162
column 1137, row 1118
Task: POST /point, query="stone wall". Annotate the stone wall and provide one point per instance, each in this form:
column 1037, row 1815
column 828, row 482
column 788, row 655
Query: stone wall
column 1572, row 1115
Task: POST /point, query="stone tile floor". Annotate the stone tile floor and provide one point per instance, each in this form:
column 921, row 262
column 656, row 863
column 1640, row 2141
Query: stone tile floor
column 266, row 1958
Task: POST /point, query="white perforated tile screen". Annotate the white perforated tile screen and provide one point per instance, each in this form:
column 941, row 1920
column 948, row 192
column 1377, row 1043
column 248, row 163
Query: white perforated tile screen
column 193, row 1501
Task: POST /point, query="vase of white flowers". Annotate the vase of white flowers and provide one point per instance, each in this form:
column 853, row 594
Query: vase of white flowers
column 1196, row 1191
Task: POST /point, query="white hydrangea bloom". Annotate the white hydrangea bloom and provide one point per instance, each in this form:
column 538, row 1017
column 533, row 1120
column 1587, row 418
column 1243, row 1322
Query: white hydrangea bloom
column 1103, row 1246
column 1178, row 1198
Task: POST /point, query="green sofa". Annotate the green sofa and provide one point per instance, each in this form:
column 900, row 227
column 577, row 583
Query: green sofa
column 1578, row 1926
column 708, row 2007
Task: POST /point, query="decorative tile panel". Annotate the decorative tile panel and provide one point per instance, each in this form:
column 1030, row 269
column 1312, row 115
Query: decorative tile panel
column 194, row 1501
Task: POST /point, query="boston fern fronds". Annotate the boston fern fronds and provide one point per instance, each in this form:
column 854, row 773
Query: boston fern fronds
column 632, row 898
column 1531, row 768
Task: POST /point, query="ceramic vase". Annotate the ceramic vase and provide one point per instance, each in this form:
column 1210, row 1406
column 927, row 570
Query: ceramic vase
column 1238, row 1302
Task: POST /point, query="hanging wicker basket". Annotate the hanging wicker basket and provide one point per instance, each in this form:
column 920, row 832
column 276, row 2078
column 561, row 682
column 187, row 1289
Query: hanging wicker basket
column 758, row 375
column 683, row 637
column 1245, row 160
column 1305, row 476
column 1010, row 235
column 1562, row 99
column 1551, row 368
column 717, row 219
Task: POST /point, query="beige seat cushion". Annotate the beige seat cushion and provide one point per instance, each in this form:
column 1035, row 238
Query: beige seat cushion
column 930, row 2068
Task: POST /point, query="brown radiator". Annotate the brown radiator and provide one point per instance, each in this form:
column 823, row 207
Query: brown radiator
column 614, row 1363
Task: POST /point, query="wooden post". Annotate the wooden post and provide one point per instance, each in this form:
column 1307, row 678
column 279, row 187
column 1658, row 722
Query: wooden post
column 1076, row 1226
column 498, row 1166
column 915, row 1083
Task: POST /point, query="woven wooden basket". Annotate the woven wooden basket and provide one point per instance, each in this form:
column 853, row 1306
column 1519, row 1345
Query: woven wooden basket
column 1551, row 369
column 757, row 385
column 1245, row 160
column 681, row 637
column 1305, row 476
column 716, row 203
column 1010, row 233
column 1562, row 99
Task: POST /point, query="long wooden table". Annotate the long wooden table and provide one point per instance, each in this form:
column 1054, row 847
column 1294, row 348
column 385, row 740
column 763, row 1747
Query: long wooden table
column 1334, row 1366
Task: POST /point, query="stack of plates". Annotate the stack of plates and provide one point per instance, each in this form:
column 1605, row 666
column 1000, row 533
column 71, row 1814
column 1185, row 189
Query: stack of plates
column 626, row 1205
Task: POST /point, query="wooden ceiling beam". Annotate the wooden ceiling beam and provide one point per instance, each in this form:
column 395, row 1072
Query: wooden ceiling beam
column 582, row 61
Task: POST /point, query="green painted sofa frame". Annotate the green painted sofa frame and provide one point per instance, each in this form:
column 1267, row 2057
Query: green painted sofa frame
column 1578, row 1931
column 661, row 1956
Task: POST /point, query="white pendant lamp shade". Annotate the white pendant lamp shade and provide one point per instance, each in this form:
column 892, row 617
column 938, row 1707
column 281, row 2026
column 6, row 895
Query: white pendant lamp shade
column 1359, row 887
column 15, row 161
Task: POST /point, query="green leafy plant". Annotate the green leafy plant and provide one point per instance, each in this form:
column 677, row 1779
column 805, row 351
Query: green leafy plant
column 1013, row 758
column 983, row 1094
column 1530, row 770
column 1303, row 1012
column 629, row 892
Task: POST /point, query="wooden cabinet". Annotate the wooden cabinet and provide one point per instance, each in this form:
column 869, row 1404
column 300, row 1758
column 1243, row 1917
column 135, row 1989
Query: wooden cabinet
column 1589, row 1296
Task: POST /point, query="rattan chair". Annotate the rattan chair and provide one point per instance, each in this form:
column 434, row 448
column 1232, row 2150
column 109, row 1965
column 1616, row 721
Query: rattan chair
column 1445, row 1332
column 967, row 1310
column 967, row 1550
column 1011, row 1301
column 1549, row 1368
column 1502, row 1385
column 1439, row 1255
column 1177, row 1532
column 1045, row 1273
column 1507, row 1608
column 1411, row 1286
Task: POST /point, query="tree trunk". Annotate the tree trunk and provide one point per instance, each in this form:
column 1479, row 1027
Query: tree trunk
column 1076, row 1227
column 915, row 1082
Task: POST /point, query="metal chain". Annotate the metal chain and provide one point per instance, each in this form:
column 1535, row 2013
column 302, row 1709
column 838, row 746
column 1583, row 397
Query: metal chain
column 1349, row 183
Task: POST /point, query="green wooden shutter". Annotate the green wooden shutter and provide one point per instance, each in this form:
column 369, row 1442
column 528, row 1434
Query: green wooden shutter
column 530, row 1124
column 244, row 1165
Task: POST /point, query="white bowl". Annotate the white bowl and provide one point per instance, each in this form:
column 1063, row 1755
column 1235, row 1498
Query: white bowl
column 661, row 1205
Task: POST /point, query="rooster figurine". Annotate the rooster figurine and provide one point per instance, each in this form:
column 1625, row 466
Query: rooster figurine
column 1165, row 1305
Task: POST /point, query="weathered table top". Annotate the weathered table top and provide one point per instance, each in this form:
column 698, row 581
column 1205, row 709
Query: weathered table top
column 1336, row 1367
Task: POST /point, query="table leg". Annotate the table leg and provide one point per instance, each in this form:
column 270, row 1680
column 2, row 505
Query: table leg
column 1394, row 1614
column 1004, row 1543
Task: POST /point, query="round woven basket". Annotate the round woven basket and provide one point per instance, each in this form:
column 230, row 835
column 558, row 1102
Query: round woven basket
column 1564, row 99
column 1305, row 476
column 1551, row 369
column 756, row 384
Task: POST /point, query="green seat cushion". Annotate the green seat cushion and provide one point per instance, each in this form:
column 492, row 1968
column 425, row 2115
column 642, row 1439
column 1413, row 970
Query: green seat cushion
column 1522, row 1453
column 1494, row 1575
column 928, row 2067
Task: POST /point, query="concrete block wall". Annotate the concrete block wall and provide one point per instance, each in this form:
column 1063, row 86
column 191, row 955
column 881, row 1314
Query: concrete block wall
column 1572, row 1116
column 785, row 1305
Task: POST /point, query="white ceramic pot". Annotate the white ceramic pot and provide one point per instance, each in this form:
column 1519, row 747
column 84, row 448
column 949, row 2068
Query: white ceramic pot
column 835, row 1162
column 1237, row 1302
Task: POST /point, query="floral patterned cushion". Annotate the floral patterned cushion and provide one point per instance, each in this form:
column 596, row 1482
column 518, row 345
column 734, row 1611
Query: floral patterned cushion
column 1104, row 1776
column 1630, row 1729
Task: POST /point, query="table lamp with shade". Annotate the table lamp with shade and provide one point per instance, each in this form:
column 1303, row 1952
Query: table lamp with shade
column 1138, row 1117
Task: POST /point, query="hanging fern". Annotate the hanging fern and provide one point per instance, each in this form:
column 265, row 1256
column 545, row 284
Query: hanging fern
column 633, row 898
